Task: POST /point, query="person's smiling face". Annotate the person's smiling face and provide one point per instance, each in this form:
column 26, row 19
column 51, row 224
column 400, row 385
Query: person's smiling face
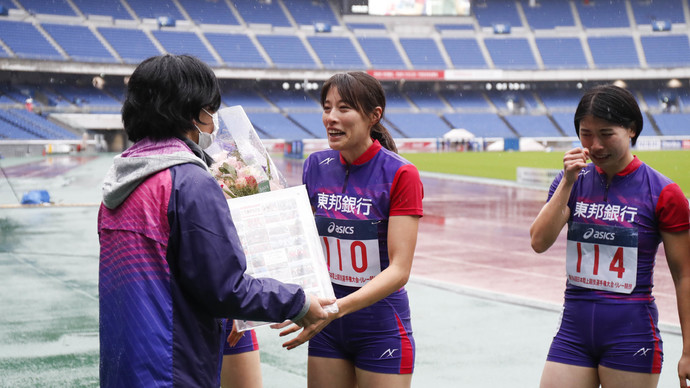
column 348, row 130
column 608, row 144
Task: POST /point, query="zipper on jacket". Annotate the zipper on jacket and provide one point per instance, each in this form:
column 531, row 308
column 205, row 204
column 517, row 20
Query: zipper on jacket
column 347, row 177
column 606, row 192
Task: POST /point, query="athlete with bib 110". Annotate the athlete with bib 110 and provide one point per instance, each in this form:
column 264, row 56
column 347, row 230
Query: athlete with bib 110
column 618, row 210
column 367, row 202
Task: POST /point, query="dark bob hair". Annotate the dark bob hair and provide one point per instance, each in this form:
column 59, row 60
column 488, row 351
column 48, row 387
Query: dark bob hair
column 165, row 94
column 613, row 104
column 364, row 93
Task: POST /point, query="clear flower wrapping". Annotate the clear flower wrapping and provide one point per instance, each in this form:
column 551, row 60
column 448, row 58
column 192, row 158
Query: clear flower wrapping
column 275, row 224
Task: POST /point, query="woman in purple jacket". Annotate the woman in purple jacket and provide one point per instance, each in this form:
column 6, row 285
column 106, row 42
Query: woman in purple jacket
column 171, row 264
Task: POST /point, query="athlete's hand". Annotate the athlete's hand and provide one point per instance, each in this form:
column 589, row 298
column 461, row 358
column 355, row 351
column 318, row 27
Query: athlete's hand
column 234, row 336
column 573, row 162
column 684, row 370
column 312, row 323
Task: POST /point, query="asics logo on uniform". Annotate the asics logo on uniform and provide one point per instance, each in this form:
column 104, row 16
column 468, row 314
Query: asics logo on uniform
column 584, row 172
column 326, row 161
column 599, row 235
column 340, row 229
column 642, row 352
column 388, row 353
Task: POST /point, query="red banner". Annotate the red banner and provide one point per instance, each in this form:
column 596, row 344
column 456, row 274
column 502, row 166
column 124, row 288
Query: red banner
column 407, row 74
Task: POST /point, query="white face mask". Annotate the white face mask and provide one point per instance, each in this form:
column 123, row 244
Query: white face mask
column 206, row 139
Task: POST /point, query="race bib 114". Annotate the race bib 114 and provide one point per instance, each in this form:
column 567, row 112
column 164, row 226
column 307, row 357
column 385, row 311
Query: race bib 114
column 351, row 248
column 602, row 257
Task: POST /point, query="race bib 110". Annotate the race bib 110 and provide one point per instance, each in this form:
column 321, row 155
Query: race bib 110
column 602, row 257
column 351, row 248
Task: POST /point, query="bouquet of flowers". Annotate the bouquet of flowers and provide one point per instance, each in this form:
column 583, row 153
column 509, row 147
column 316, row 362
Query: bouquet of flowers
column 275, row 224
column 242, row 166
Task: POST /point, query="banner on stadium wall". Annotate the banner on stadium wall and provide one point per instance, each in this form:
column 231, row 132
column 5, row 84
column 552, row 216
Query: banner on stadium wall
column 387, row 75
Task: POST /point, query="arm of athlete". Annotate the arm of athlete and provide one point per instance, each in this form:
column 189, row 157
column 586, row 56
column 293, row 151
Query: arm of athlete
column 677, row 248
column 553, row 216
column 402, row 240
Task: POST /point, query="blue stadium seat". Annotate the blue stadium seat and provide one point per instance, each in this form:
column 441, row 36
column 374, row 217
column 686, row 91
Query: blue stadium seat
column 533, row 126
column 396, row 100
column 511, row 53
column 426, row 99
column 153, row 9
column 381, row 52
column 490, row 12
column 673, row 124
column 418, row 125
column 53, row 7
column 466, row 100
column 560, row 99
column 453, row 27
column 548, row 14
column 287, row 51
column 562, row 53
column 565, row 121
column 291, row 99
column 79, row 43
column 112, row 8
column 256, row 12
column 603, row 14
column 209, row 12
column 613, row 52
column 366, row 26
column 423, row 53
column 336, row 52
column 87, row 95
column 646, row 12
column 35, row 125
column 277, row 126
column 501, row 99
column 464, row 53
column 666, row 50
column 26, row 41
column 236, row 50
column 311, row 11
column 183, row 42
column 132, row 45
column 313, row 122
column 249, row 99
column 480, row 124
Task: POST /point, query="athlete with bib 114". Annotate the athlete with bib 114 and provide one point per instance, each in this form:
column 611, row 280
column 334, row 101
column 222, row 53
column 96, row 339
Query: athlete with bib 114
column 618, row 210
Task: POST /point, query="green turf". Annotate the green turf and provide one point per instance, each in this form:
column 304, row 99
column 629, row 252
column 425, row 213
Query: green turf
column 503, row 165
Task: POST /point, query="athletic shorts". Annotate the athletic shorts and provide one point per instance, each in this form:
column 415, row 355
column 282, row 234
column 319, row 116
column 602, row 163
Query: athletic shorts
column 247, row 343
column 376, row 339
column 618, row 336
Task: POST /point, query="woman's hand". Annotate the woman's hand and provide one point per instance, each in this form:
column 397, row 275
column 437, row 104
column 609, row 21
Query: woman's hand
column 573, row 162
column 312, row 323
column 234, row 336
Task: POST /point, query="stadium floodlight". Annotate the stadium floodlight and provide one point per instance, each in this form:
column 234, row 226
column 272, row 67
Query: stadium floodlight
column 674, row 83
column 286, row 85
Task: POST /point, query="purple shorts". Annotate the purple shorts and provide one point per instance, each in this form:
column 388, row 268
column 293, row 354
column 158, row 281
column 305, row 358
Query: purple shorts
column 376, row 339
column 247, row 343
column 618, row 336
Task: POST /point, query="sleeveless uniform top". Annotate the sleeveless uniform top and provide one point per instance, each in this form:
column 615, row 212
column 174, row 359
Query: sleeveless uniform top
column 352, row 204
column 614, row 231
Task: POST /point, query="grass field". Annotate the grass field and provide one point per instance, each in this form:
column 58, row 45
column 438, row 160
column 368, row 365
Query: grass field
column 503, row 165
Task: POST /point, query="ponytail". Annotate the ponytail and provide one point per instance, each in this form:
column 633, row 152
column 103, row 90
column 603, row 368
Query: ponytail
column 380, row 133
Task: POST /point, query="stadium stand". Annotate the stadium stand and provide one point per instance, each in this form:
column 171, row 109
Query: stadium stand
column 314, row 37
column 79, row 43
column 111, row 8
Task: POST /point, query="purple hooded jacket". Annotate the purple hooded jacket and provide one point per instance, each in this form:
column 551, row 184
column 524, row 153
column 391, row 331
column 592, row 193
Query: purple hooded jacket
column 170, row 266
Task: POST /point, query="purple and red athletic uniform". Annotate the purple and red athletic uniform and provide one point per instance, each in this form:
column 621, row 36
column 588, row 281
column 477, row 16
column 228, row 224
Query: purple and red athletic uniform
column 609, row 316
column 352, row 204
